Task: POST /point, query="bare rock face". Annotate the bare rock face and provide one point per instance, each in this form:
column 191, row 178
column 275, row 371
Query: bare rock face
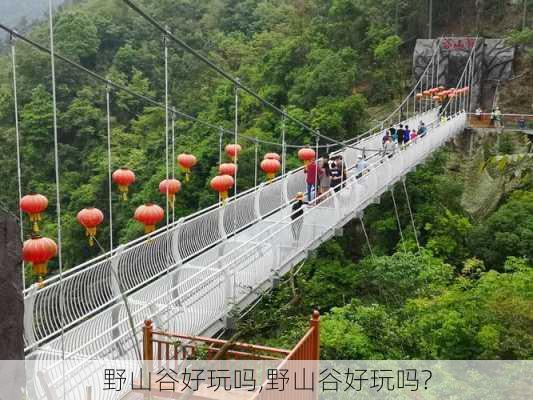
column 492, row 60
column 11, row 300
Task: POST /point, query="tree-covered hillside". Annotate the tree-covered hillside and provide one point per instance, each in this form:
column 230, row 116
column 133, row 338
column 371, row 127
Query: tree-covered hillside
column 338, row 65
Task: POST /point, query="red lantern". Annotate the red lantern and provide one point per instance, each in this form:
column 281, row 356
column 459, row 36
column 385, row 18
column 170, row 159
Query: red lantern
column 187, row 162
column 272, row 156
column 436, row 98
column 307, row 155
column 170, row 186
column 90, row 218
column 123, row 177
column 38, row 251
column 34, row 204
column 426, row 93
column 227, row 169
column 222, row 184
column 232, row 150
column 271, row 167
column 149, row 215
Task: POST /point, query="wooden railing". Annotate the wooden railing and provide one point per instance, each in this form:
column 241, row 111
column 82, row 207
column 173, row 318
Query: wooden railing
column 165, row 346
column 507, row 121
column 307, row 349
column 159, row 346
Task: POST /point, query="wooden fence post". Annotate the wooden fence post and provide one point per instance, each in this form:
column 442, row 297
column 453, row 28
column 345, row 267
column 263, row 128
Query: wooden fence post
column 315, row 324
column 148, row 349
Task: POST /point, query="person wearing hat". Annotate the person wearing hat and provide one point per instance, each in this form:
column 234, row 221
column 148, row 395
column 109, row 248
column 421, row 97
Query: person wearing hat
column 296, row 215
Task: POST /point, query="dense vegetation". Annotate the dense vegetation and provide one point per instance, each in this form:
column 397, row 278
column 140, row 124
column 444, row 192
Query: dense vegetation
column 468, row 294
column 335, row 64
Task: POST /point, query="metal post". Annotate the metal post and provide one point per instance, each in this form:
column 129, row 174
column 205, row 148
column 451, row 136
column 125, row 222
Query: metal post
column 109, row 173
column 166, row 128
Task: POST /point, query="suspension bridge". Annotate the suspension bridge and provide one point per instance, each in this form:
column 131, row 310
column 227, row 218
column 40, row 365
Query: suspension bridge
column 191, row 274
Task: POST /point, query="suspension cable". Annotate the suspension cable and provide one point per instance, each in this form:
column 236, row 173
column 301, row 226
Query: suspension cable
column 17, row 141
column 227, row 76
column 166, row 134
column 109, row 163
column 366, row 236
column 411, row 215
column 398, row 219
column 256, row 149
column 127, row 90
column 173, row 157
column 56, row 167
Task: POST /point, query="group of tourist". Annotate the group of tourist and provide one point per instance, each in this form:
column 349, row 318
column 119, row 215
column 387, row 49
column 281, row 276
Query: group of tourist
column 401, row 136
column 320, row 178
column 331, row 173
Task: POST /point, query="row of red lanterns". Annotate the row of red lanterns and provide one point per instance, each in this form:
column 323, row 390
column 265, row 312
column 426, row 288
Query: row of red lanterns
column 40, row 250
column 440, row 93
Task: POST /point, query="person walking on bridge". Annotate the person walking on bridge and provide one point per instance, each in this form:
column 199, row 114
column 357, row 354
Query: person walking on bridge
column 313, row 172
column 325, row 179
column 400, row 135
column 297, row 216
column 360, row 166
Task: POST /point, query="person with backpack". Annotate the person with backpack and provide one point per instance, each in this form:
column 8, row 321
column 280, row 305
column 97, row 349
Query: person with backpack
column 422, row 130
column 336, row 174
column 296, row 216
column 400, row 135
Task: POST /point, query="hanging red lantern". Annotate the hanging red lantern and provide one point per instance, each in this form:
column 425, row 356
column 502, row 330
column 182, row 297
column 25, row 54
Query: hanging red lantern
column 38, row 251
column 222, row 184
column 227, row 169
column 149, row 215
column 170, row 187
column 271, row 167
column 34, row 204
column 187, row 162
column 307, row 155
column 233, row 150
column 90, row 218
column 272, row 156
column 123, row 177
column 426, row 93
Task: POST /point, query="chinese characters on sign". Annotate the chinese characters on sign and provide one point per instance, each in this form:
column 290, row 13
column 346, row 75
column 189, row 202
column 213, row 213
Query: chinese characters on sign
column 458, row 43
column 326, row 380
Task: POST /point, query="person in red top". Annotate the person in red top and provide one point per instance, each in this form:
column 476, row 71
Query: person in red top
column 313, row 172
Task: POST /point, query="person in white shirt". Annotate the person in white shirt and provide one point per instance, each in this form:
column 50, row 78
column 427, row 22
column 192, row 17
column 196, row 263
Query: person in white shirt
column 360, row 166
